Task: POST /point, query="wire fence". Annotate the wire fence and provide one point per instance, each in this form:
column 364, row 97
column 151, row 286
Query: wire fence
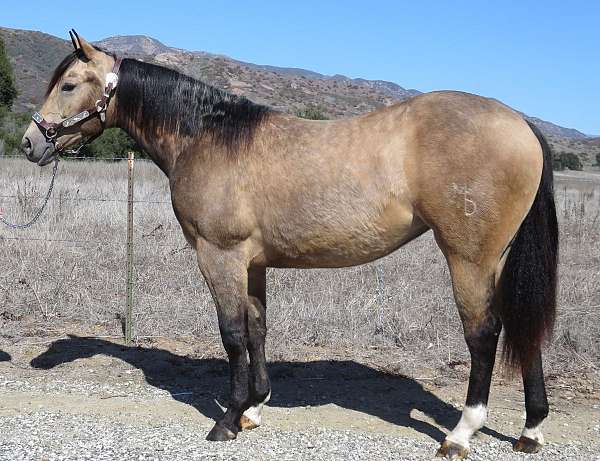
column 17, row 211
column 89, row 159
column 92, row 199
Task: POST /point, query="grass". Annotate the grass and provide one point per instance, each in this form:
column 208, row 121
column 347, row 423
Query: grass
column 75, row 275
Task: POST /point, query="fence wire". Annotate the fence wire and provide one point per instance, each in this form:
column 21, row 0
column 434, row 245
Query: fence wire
column 80, row 244
column 90, row 159
column 90, row 199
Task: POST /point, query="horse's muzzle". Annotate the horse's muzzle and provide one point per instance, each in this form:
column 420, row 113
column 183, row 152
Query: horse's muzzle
column 36, row 148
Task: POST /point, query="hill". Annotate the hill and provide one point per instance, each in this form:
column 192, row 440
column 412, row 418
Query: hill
column 35, row 54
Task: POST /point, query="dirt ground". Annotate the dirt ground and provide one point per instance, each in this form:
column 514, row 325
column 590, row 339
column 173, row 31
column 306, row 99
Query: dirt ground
column 166, row 380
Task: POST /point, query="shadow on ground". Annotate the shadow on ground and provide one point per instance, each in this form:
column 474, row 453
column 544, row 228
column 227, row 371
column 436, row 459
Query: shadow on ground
column 345, row 383
column 4, row 356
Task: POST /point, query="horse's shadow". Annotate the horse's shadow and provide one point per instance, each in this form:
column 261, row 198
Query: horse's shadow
column 4, row 356
column 348, row 384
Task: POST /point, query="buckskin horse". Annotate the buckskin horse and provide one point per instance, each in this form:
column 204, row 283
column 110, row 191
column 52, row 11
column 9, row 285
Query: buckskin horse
column 255, row 188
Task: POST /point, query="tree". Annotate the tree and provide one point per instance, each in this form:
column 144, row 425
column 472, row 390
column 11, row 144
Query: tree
column 114, row 142
column 570, row 161
column 312, row 112
column 597, row 158
column 12, row 127
column 8, row 92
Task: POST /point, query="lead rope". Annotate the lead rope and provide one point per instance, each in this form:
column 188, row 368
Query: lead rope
column 39, row 212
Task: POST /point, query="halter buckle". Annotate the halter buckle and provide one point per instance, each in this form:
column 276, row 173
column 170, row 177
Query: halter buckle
column 50, row 133
column 101, row 106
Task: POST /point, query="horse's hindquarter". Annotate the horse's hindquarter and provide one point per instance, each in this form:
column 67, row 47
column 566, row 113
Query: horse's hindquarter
column 334, row 193
column 473, row 169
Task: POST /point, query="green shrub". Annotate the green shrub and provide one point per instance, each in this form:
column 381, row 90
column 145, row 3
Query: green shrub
column 312, row 112
column 114, row 142
column 12, row 127
column 570, row 161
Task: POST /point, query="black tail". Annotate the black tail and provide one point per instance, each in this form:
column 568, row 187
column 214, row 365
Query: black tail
column 527, row 289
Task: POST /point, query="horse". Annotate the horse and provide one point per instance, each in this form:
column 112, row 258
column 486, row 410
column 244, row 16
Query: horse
column 254, row 188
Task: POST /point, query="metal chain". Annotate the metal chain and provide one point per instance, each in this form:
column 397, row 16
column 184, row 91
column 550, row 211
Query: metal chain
column 39, row 212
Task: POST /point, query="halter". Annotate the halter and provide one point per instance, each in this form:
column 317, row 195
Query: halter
column 52, row 131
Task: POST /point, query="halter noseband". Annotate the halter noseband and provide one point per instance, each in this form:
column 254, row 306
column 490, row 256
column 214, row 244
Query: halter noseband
column 52, row 131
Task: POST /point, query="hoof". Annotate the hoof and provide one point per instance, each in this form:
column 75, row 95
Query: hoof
column 220, row 434
column 247, row 424
column 527, row 445
column 452, row 450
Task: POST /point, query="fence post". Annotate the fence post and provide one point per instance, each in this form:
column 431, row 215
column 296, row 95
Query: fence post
column 129, row 306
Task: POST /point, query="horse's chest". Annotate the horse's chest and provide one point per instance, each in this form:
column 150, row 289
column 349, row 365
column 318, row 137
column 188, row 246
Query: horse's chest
column 217, row 216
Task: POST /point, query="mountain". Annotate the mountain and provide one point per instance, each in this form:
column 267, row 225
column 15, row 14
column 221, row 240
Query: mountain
column 134, row 45
column 556, row 130
column 35, row 54
column 287, row 89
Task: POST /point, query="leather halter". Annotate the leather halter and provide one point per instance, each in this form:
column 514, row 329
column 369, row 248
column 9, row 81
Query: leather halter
column 52, row 131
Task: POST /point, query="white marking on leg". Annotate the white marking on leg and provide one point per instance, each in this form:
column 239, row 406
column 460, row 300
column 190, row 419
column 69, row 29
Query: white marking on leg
column 254, row 413
column 534, row 433
column 472, row 419
column 223, row 409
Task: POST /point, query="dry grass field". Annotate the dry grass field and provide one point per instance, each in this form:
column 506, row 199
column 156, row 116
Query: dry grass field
column 67, row 275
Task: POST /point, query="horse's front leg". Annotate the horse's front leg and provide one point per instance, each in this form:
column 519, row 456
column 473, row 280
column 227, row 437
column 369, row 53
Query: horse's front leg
column 226, row 275
column 260, row 389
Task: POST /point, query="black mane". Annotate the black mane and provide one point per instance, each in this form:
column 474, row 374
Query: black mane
column 164, row 99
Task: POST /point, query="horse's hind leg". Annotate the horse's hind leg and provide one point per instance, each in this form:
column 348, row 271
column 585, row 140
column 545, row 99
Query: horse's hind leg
column 260, row 389
column 473, row 288
column 536, row 405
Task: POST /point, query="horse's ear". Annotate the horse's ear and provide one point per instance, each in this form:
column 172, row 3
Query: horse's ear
column 73, row 41
column 83, row 46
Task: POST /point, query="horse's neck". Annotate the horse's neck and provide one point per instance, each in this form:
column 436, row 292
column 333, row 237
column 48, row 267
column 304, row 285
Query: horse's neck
column 180, row 119
column 158, row 146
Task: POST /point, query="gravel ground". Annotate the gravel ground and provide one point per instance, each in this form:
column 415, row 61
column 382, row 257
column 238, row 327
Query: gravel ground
column 53, row 436
column 90, row 399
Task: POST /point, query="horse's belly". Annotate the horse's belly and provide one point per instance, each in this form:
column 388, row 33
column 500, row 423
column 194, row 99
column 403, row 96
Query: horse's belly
column 343, row 242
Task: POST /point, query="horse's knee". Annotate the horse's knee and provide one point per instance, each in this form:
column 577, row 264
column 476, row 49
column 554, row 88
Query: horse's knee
column 234, row 340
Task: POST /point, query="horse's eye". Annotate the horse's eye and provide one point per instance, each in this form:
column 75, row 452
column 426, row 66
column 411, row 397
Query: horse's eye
column 68, row 87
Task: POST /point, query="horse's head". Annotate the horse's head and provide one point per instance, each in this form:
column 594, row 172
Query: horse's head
column 68, row 350
column 76, row 103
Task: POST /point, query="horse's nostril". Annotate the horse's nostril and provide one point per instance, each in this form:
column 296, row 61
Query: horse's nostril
column 26, row 145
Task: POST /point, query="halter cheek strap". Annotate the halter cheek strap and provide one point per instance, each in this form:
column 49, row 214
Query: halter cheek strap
column 52, row 131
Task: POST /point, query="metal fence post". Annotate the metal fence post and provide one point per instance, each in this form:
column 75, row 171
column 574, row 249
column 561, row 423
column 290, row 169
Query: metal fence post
column 129, row 306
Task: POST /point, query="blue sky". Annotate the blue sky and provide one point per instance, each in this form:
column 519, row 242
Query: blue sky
column 540, row 57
